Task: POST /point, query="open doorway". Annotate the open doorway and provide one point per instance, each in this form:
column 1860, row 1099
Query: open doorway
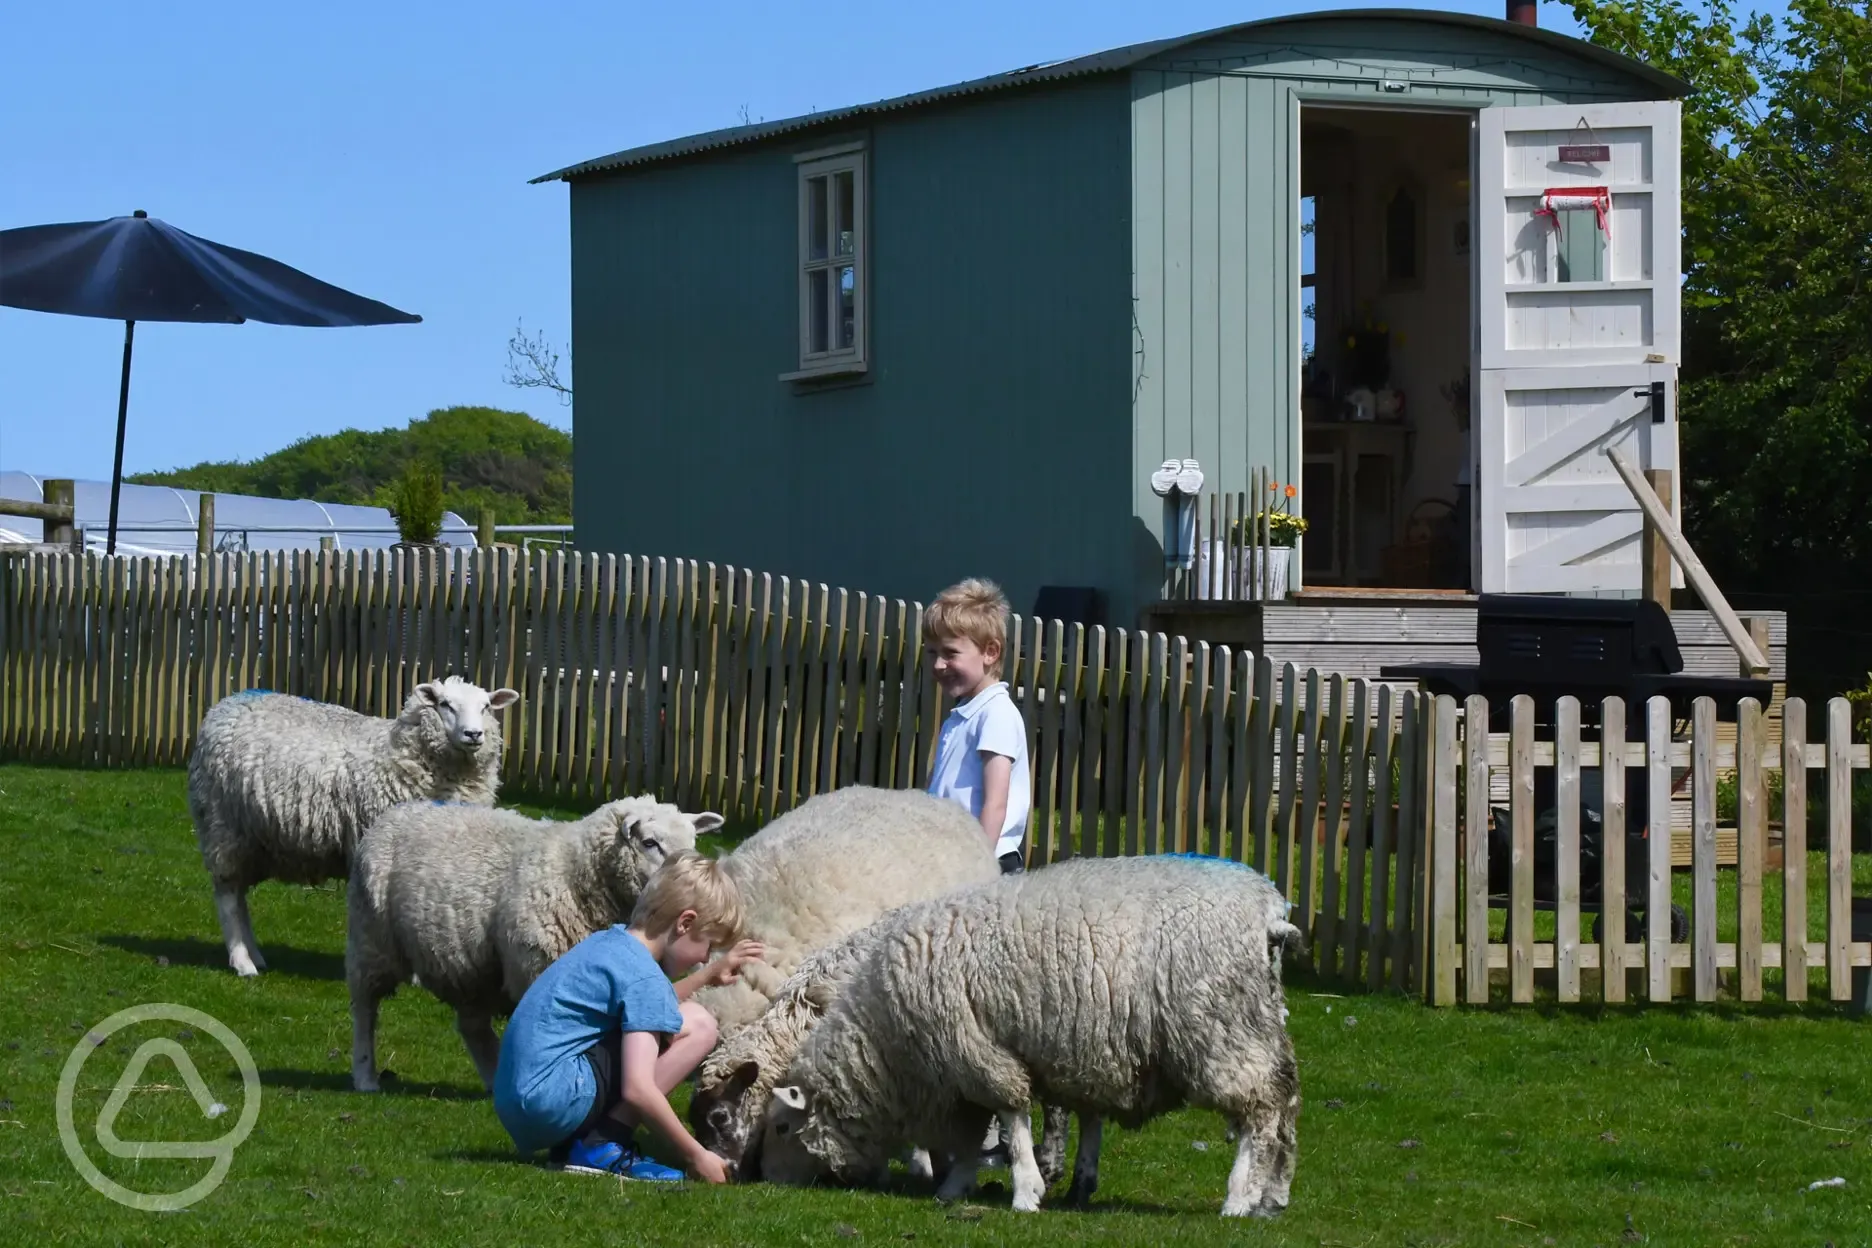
column 1388, row 307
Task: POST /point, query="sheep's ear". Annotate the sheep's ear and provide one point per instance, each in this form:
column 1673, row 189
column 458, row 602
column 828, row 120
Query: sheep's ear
column 792, row 1096
column 501, row 699
column 431, row 692
column 744, row 1075
column 707, row 822
column 819, row 995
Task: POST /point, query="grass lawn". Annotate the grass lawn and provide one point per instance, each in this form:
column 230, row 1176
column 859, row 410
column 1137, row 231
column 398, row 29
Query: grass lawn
column 1531, row 1126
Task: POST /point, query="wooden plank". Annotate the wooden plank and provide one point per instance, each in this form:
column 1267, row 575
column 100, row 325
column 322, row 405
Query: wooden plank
column 1094, row 691
column 1136, row 680
column 1261, row 723
column 909, row 709
column 1384, row 751
column 1567, row 847
column 1196, row 702
column 1475, row 907
column 1289, row 732
column 826, row 641
column 1334, row 734
column 1307, row 823
column 780, row 639
column 852, row 699
column 1680, row 959
column 1703, row 882
column 1407, row 834
column 1115, row 765
column 1794, row 850
column 870, row 726
column 1444, row 900
column 1658, row 892
column 1154, row 699
column 1359, row 830
column 1070, row 708
column 1176, row 745
column 1839, row 848
column 1241, row 755
column 900, row 649
column 1751, row 849
column 1521, row 852
column 1612, row 852
column 1217, row 798
column 1050, row 665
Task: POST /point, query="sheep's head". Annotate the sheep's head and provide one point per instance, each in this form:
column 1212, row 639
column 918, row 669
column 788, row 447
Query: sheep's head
column 719, row 1108
column 641, row 834
column 457, row 714
column 800, row 1147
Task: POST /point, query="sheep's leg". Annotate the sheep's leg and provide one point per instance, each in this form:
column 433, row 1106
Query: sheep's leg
column 365, row 1001
column 1246, row 1180
column 477, row 1032
column 1051, row 1153
column 1086, row 1162
column 960, row 1180
column 237, row 929
column 1017, row 1129
column 1281, row 1160
column 921, row 1167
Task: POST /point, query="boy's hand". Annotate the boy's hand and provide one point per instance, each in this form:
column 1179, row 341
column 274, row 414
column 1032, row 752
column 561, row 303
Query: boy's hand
column 709, row 1168
column 727, row 968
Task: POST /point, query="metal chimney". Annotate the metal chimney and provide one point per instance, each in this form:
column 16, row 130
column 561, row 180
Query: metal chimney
column 1523, row 12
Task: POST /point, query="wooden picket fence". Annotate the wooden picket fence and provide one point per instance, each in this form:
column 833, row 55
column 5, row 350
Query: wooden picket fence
column 747, row 693
column 1728, row 953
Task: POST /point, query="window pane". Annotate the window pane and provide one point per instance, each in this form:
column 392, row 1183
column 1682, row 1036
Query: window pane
column 848, row 307
column 816, row 218
column 820, row 287
column 847, row 226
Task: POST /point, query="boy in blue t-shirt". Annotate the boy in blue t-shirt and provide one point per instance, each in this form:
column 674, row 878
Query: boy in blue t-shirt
column 602, row 1036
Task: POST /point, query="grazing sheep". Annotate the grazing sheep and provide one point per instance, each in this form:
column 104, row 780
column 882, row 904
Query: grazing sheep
column 474, row 903
column 832, row 865
column 1149, row 982
column 281, row 788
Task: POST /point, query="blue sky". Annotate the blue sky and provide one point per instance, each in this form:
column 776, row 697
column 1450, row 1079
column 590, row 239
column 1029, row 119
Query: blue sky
column 387, row 148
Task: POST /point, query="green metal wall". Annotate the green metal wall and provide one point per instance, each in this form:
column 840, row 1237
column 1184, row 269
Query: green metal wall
column 992, row 436
column 1216, row 223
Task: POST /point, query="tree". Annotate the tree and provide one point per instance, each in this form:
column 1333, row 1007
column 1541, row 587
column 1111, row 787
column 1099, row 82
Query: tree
column 1776, row 385
column 531, row 364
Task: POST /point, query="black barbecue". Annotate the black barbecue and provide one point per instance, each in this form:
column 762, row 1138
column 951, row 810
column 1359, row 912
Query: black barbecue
column 1591, row 648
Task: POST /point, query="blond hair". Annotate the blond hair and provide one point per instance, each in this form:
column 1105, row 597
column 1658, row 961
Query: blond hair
column 974, row 610
column 689, row 881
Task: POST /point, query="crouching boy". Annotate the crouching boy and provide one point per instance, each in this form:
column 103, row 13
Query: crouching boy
column 602, row 1036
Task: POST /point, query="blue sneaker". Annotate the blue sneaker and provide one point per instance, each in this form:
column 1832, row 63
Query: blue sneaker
column 610, row 1157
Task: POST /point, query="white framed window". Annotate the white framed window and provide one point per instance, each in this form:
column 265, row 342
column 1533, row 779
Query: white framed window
column 832, row 260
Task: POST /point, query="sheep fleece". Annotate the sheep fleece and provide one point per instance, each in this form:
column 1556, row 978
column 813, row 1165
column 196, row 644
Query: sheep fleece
column 832, row 865
column 1117, row 987
column 282, row 787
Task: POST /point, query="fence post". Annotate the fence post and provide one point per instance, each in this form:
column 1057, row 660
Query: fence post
column 60, row 492
column 204, row 525
column 484, row 527
column 1441, row 918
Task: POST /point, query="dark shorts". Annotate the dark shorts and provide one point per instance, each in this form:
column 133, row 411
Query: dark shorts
column 1013, row 862
column 606, row 1059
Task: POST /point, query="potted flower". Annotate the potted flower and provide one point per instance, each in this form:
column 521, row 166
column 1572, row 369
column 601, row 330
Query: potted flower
column 1282, row 534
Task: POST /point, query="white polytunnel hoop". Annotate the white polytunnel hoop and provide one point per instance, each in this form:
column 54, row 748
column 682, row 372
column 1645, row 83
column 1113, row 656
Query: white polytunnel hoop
column 159, row 520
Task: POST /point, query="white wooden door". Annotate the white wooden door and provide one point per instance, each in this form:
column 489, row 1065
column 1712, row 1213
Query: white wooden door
column 1575, row 326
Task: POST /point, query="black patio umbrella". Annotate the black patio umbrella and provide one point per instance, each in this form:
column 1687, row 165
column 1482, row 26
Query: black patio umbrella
column 135, row 268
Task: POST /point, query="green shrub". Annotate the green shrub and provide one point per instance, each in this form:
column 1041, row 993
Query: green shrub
column 415, row 499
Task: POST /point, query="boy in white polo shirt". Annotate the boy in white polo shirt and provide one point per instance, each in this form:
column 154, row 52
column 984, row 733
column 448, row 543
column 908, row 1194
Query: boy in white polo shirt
column 981, row 759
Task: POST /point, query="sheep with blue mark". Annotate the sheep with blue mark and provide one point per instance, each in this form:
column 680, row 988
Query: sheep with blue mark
column 282, row 787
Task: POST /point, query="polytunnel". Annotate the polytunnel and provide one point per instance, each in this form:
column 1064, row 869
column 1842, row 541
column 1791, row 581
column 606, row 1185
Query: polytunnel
column 160, row 520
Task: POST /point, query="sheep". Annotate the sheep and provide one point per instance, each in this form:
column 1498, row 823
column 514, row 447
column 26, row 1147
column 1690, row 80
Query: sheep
column 282, row 787
column 473, row 903
column 832, row 865
column 1142, row 984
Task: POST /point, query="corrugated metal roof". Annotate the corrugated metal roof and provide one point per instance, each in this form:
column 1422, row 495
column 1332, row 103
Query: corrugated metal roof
column 1084, row 66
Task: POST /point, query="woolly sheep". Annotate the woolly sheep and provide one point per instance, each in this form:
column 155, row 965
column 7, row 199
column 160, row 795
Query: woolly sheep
column 474, row 903
column 1150, row 982
column 832, row 865
column 281, row 787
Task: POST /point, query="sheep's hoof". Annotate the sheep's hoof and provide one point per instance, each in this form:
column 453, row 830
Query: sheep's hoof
column 1243, row 1209
column 1079, row 1195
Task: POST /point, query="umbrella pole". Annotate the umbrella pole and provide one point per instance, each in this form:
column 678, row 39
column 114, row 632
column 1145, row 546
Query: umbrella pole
column 123, row 412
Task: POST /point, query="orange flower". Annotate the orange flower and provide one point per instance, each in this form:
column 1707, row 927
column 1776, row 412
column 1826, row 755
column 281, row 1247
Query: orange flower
column 1291, row 491
column 1273, row 485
